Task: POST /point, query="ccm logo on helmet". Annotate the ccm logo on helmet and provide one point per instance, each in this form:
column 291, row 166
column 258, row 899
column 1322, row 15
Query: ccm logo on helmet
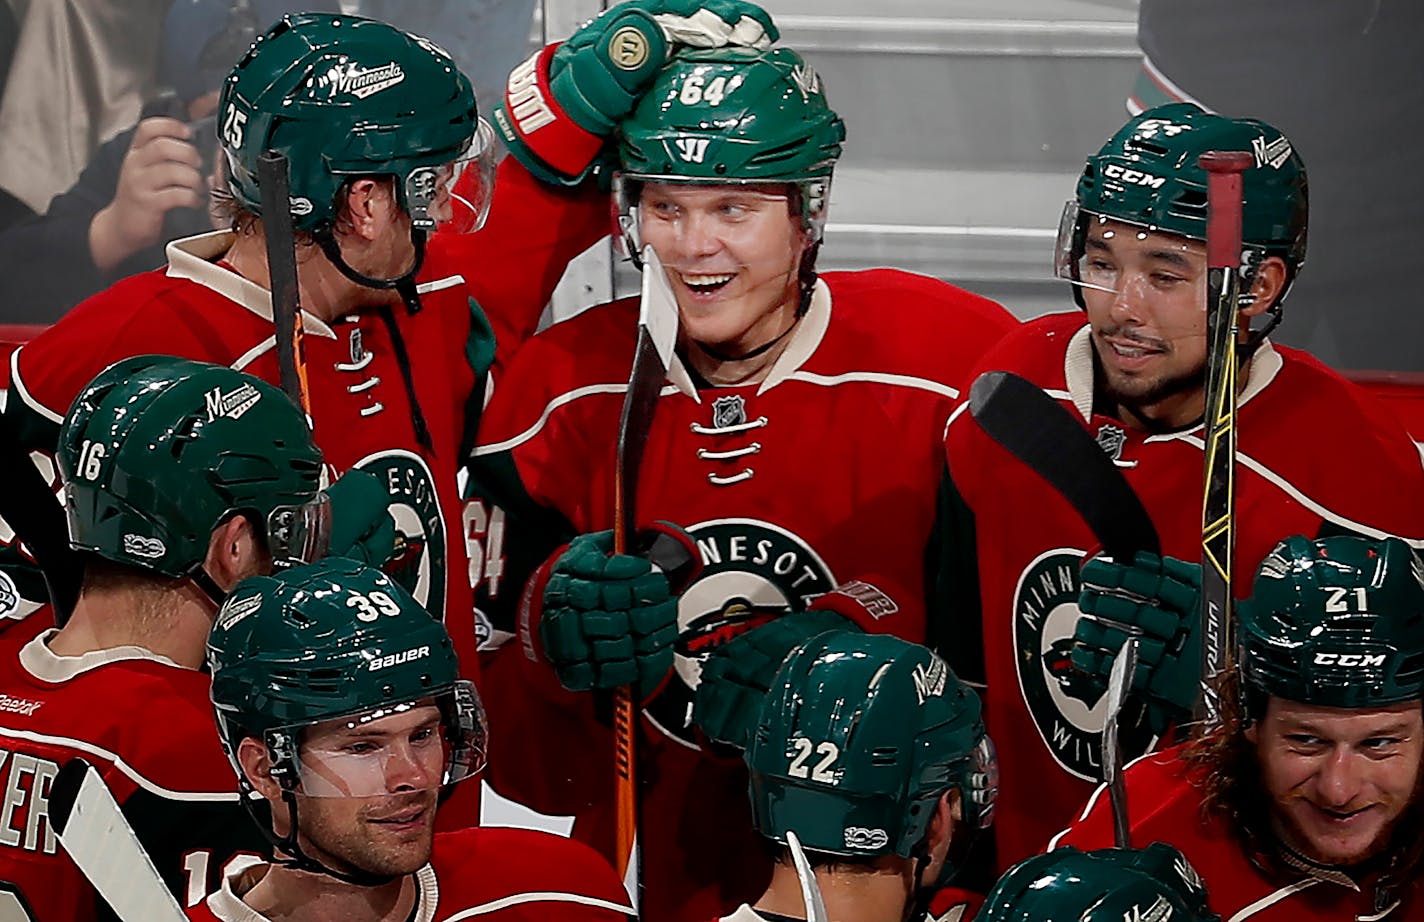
column 395, row 659
column 1133, row 177
column 1349, row 659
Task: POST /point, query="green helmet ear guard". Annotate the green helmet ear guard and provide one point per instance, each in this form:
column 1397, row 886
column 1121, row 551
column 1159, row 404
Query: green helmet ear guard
column 157, row 451
column 1147, row 174
column 732, row 115
column 1107, row 885
column 344, row 96
column 1334, row 622
column 859, row 738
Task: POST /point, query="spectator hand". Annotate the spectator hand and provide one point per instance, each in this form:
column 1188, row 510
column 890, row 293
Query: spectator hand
column 161, row 171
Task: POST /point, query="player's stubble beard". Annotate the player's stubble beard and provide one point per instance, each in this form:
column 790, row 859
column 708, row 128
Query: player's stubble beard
column 1134, row 395
column 348, row 840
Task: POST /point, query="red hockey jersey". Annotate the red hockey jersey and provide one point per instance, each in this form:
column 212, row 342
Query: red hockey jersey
column 494, row 283
column 503, row 875
column 1165, row 806
column 825, row 472
column 1316, row 455
column 145, row 723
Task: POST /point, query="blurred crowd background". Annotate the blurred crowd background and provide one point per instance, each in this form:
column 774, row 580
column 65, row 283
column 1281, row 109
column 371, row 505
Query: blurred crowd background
column 968, row 122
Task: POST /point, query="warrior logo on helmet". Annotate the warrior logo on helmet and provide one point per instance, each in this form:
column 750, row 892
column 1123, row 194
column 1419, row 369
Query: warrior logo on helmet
column 753, row 572
column 1067, row 709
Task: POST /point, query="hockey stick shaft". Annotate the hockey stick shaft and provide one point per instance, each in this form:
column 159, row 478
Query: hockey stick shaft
column 28, row 505
column 103, row 845
column 1119, row 683
column 272, row 177
column 1223, row 244
column 1045, row 436
column 657, row 335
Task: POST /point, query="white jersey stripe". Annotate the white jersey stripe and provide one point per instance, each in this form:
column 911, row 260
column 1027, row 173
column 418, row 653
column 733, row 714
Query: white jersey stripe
column 559, row 401
column 31, row 402
column 875, row 377
column 1271, row 899
column 519, row 899
column 122, row 766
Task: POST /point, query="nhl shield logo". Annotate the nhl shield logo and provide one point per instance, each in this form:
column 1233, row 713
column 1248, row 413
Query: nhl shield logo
column 729, row 411
column 753, row 572
column 1067, row 708
column 1111, row 439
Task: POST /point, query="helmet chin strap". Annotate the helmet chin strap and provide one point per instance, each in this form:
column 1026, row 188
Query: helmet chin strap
column 404, row 286
column 204, row 581
column 287, row 851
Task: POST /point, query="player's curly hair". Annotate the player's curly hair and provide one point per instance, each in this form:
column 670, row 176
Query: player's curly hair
column 1225, row 767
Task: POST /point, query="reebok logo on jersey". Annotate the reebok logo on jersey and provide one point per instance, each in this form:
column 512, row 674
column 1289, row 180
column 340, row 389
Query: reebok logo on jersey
column 1133, row 177
column 359, row 81
column 861, row 837
column 525, row 100
column 395, row 659
column 23, row 706
column 231, row 405
column 147, row 548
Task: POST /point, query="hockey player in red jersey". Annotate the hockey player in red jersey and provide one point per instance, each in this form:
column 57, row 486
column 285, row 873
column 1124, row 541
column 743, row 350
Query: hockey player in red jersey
column 873, row 753
column 181, row 479
column 797, row 439
column 402, row 325
column 1131, row 367
column 340, row 702
column 1306, row 802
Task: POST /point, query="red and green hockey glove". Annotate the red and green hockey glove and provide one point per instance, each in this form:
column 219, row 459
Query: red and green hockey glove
column 606, row 620
column 361, row 525
column 562, row 104
column 737, row 675
column 1158, row 599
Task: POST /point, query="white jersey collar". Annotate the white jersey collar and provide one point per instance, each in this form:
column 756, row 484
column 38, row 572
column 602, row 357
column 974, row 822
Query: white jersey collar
column 1266, row 363
column 192, row 258
column 44, row 664
column 226, row 904
column 804, row 340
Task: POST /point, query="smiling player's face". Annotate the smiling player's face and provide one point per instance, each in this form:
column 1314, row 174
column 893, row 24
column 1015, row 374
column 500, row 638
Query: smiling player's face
column 1339, row 779
column 733, row 254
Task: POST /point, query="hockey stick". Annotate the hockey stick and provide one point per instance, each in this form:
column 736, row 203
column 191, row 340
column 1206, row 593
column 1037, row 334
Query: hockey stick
column 28, row 505
column 811, row 897
column 1218, row 541
column 282, row 270
column 657, row 334
column 1037, row 430
column 94, row 832
column 1119, row 682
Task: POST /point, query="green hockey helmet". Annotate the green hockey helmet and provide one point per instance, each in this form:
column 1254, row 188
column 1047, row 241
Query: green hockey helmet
column 1334, row 622
column 1147, row 174
column 1107, row 885
column 337, row 645
column 345, row 96
column 732, row 115
column 156, row 452
column 858, row 739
